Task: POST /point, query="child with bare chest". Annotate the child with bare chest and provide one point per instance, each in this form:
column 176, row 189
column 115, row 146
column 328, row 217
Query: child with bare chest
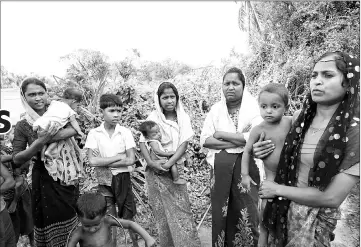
column 273, row 102
column 95, row 229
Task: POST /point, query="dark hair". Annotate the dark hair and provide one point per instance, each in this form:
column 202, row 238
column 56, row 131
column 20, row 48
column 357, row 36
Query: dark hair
column 238, row 72
column 165, row 85
column 276, row 88
column 31, row 80
column 109, row 100
column 73, row 93
column 146, row 126
column 91, row 205
column 339, row 61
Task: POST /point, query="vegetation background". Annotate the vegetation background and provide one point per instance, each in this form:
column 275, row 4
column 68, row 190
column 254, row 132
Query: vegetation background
column 285, row 39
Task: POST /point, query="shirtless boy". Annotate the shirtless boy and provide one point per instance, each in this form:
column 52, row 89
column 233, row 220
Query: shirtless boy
column 273, row 103
column 95, row 229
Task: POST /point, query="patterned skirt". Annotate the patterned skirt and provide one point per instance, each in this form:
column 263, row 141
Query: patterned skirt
column 235, row 217
column 309, row 226
column 53, row 205
column 172, row 211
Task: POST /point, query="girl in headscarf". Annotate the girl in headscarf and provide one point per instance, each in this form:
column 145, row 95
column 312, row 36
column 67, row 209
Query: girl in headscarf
column 52, row 202
column 319, row 163
column 170, row 202
column 234, row 209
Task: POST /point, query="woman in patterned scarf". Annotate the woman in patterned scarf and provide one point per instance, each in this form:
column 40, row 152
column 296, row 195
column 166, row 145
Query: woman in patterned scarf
column 319, row 163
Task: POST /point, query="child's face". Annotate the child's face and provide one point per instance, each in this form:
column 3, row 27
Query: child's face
column 74, row 105
column 93, row 225
column 154, row 133
column 112, row 114
column 9, row 137
column 272, row 107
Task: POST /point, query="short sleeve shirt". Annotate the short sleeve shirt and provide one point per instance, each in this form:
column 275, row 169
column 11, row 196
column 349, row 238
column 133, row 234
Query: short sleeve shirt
column 121, row 140
column 306, row 159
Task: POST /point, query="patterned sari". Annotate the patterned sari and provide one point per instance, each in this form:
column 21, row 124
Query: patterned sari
column 337, row 151
column 53, row 204
column 170, row 202
column 172, row 210
column 234, row 211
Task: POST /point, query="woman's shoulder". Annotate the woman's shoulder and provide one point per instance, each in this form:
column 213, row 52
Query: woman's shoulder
column 295, row 115
column 354, row 131
column 215, row 108
column 22, row 125
column 152, row 116
column 24, row 128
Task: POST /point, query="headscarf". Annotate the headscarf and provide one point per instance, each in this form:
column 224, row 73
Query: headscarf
column 331, row 156
column 30, row 115
column 218, row 119
column 184, row 127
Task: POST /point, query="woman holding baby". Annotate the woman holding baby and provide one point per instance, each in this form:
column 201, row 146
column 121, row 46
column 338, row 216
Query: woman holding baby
column 319, row 163
column 170, row 201
column 53, row 201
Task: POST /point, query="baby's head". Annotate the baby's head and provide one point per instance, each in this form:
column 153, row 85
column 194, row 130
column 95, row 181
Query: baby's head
column 7, row 139
column 150, row 130
column 91, row 209
column 273, row 102
column 73, row 96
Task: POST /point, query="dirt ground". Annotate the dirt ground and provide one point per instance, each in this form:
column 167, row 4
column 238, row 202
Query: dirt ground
column 347, row 231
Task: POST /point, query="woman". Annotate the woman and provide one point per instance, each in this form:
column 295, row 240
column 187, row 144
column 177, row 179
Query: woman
column 52, row 203
column 7, row 234
column 319, row 163
column 170, row 202
column 234, row 210
column 18, row 200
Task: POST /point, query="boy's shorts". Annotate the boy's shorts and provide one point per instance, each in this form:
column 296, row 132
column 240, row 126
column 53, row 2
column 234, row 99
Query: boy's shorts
column 7, row 234
column 121, row 194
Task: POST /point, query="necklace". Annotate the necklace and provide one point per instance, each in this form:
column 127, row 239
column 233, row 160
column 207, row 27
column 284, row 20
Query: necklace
column 315, row 130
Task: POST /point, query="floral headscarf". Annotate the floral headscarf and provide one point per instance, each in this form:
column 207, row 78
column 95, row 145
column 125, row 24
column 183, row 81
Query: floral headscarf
column 331, row 156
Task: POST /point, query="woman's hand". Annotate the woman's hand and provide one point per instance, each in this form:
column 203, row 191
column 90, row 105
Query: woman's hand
column 262, row 148
column 269, row 189
column 157, row 164
column 44, row 136
column 246, row 181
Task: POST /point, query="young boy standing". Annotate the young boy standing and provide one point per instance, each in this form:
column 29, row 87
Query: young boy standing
column 273, row 102
column 114, row 145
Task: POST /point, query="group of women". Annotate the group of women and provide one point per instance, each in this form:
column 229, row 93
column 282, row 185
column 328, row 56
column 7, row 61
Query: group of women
column 317, row 170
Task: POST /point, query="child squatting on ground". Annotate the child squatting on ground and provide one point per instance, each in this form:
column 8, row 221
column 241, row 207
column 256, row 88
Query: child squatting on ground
column 61, row 112
column 273, row 103
column 151, row 132
column 95, row 229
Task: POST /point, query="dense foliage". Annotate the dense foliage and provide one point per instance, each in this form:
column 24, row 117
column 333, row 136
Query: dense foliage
column 285, row 39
